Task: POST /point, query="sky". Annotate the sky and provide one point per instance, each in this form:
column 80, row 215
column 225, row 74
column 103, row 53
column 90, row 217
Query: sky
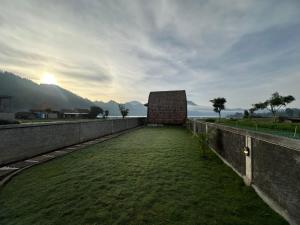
column 121, row 50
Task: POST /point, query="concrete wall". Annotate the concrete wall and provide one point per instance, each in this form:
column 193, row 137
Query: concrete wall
column 18, row 142
column 272, row 167
column 7, row 116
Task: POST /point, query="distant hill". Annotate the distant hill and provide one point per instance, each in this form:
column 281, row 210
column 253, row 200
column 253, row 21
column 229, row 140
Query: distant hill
column 135, row 108
column 30, row 95
column 191, row 103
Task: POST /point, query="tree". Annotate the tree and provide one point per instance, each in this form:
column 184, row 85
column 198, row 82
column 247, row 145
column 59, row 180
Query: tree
column 246, row 114
column 275, row 103
column 94, row 112
column 257, row 106
column 219, row 105
column 124, row 112
column 260, row 105
column 105, row 114
column 251, row 112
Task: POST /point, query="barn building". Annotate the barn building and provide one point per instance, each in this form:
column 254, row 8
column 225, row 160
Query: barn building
column 167, row 107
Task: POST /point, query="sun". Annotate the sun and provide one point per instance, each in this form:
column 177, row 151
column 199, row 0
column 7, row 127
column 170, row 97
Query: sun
column 48, row 78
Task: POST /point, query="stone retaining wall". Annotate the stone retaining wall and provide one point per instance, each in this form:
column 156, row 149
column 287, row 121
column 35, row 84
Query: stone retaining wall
column 18, row 142
column 272, row 166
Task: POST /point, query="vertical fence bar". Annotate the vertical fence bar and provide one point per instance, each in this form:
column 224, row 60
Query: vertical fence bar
column 248, row 155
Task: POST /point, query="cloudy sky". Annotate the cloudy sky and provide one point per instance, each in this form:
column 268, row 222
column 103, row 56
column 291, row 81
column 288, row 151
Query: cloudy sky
column 122, row 50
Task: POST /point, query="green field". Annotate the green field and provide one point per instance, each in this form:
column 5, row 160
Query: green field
column 265, row 125
column 148, row 176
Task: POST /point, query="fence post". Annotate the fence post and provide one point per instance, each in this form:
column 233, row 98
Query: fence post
column 194, row 127
column 248, row 155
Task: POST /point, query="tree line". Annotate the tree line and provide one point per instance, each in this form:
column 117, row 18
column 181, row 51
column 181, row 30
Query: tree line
column 96, row 110
column 274, row 104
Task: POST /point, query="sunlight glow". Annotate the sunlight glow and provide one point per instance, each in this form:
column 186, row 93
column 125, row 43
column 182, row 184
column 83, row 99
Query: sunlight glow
column 48, row 78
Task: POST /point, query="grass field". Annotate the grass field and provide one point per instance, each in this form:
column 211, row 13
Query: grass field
column 149, row 176
column 266, row 125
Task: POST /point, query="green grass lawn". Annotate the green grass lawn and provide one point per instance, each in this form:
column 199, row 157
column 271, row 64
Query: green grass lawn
column 266, row 125
column 148, row 176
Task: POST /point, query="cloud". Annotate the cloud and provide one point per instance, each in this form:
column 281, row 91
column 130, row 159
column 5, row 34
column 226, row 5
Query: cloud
column 122, row 50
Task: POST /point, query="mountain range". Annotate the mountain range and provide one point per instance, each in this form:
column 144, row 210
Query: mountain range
column 30, row 95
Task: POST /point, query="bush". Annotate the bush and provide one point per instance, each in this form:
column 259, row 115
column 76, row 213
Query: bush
column 94, row 112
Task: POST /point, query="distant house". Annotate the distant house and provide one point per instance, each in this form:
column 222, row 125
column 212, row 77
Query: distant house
column 52, row 115
column 167, row 107
column 45, row 114
column 6, row 108
column 25, row 115
column 76, row 113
